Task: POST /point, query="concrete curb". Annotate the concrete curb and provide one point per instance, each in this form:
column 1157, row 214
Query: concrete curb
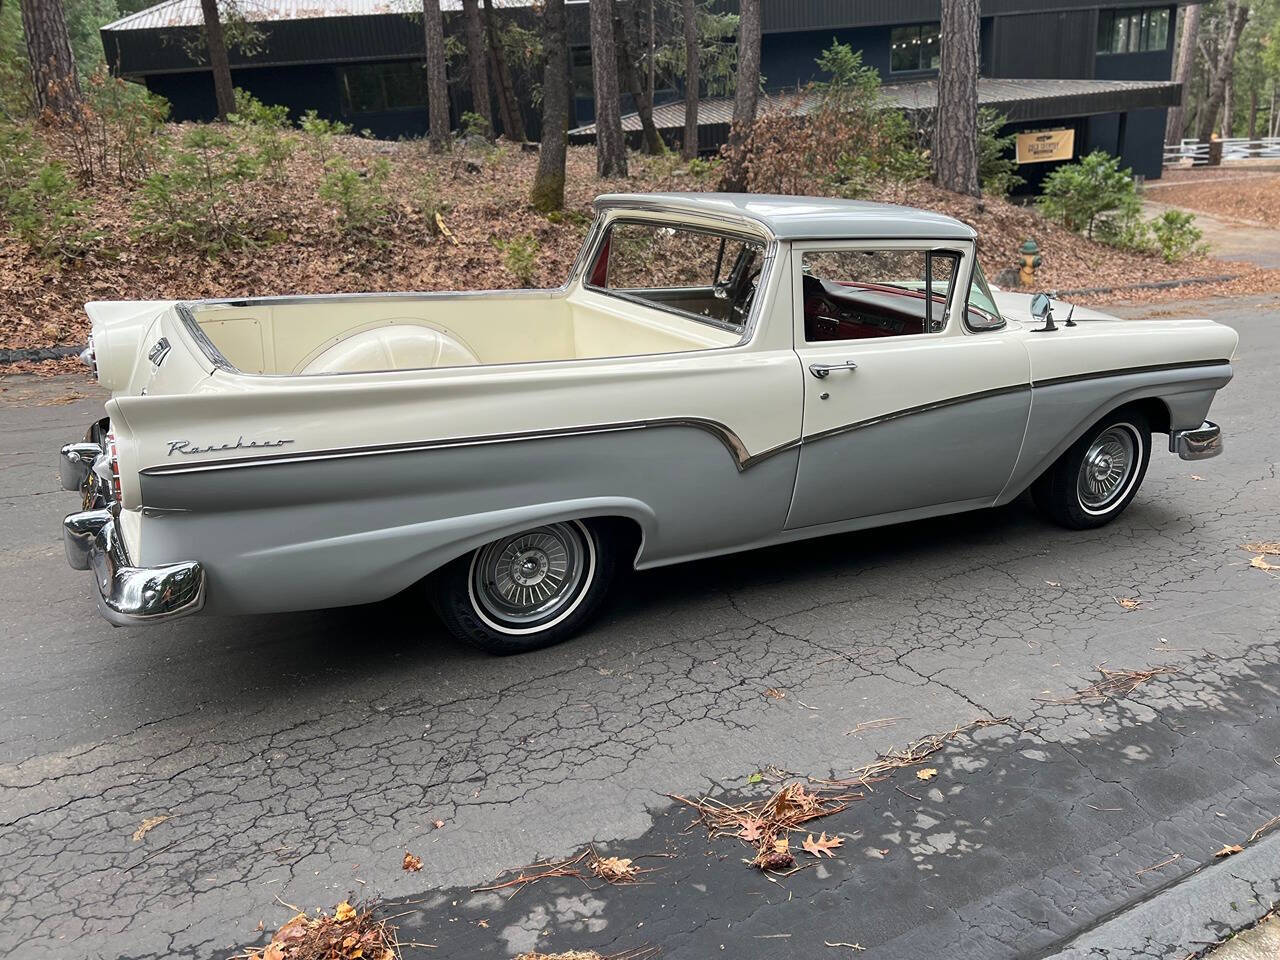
column 1189, row 916
column 19, row 354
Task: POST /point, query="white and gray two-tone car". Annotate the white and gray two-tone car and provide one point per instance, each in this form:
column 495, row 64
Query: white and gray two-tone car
column 719, row 372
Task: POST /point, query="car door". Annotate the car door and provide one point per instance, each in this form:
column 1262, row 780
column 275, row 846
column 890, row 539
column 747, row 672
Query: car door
column 903, row 412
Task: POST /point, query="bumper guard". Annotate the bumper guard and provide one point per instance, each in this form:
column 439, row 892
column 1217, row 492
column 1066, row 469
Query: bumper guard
column 127, row 594
column 1203, row 442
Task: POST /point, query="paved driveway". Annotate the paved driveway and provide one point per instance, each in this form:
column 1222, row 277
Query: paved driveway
column 296, row 758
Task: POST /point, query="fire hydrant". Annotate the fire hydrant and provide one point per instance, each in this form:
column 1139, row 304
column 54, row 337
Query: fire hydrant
column 1030, row 260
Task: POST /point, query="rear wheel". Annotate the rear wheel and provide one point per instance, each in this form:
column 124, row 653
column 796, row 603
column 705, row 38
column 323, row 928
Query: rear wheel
column 1098, row 475
column 527, row 590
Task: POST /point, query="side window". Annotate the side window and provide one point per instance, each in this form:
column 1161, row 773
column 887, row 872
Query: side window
column 861, row 294
column 710, row 275
column 981, row 312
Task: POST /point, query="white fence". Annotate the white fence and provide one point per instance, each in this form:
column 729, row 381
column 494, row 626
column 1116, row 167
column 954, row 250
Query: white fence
column 1235, row 148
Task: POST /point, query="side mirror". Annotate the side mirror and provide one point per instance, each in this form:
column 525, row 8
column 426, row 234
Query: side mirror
column 1042, row 309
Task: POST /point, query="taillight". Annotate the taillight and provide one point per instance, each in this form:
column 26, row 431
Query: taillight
column 113, row 460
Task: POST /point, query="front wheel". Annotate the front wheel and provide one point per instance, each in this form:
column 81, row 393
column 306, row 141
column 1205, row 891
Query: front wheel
column 527, row 590
column 1097, row 477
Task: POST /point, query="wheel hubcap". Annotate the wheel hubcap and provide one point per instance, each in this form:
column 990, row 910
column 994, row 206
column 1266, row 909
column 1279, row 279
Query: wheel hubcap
column 530, row 576
column 1107, row 467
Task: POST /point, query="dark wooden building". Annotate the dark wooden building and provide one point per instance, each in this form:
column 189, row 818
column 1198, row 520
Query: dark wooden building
column 360, row 61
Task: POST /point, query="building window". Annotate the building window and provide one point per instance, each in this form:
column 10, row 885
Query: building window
column 1133, row 31
column 580, row 68
column 372, row 87
column 916, row 47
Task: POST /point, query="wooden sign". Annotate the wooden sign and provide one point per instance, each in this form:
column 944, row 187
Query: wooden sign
column 1041, row 146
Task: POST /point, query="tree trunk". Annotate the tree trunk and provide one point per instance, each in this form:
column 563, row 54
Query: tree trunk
column 1235, row 16
column 512, row 118
column 53, row 68
column 692, row 81
column 746, row 96
column 611, row 149
column 437, row 80
column 222, row 90
column 1182, row 71
column 477, row 62
column 548, row 183
column 1228, row 108
column 955, row 141
column 626, row 30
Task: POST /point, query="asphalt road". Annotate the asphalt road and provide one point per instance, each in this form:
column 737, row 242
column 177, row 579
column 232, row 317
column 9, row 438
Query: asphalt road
column 296, row 758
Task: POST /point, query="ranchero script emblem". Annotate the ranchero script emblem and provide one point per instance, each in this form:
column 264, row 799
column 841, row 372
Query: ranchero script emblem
column 187, row 447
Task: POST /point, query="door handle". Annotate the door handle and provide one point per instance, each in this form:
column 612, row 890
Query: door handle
column 823, row 370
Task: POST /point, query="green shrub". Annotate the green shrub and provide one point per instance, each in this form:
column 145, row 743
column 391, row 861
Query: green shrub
column 427, row 204
column 49, row 214
column 122, row 127
column 996, row 166
column 264, row 128
column 360, row 196
column 1094, row 197
column 1176, row 235
column 320, row 133
column 475, row 125
column 704, row 168
column 193, row 199
column 520, row 257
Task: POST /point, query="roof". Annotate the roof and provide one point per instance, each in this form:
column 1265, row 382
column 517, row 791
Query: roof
column 801, row 218
column 1017, row 99
column 187, row 13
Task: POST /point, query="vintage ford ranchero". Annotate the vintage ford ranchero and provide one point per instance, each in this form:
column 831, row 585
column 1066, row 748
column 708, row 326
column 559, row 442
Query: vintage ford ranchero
column 719, row 372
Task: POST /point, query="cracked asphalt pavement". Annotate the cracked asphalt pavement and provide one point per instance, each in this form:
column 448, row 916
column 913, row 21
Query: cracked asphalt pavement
column 296, row 758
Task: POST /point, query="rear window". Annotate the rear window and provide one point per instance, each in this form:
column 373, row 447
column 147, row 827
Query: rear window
column 704, row 274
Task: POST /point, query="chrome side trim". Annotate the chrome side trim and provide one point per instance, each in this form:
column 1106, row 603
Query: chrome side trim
column 1203, row 442
column 731, row 441
column 908, row 411
column 129, row 595
column 1125, row 371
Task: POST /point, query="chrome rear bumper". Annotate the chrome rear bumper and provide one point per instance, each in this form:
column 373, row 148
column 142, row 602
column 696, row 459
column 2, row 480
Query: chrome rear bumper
column 127, row 594
column 1203, row 442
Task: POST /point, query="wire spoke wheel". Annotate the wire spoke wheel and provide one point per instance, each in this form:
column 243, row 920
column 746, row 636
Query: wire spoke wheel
column 1109, row 467
column 533, row 578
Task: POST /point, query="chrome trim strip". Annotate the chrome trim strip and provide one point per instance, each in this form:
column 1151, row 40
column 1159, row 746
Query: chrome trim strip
column 1125, row 371
column 731, row 441
column 921, row 408
column 725, row 434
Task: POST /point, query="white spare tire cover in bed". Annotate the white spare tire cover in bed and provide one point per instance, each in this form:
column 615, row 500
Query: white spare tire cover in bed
column 398, row 346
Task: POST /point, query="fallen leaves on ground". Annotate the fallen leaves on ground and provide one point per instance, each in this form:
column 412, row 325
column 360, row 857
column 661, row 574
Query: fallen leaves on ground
column 350, row 933
column 1260, row 562
column 1266, row 546
column 542, row 870
column 766, row 823
column 913, row 754
column 438, row 824
column 928, row 773
column 639, row 953
column 614, row 869
column 1129, row 603
column 411, row 863
column 1250, row 197
column 1114, row 685
column 775, row 694
column 148, row 825
column 823, row 846
column 1230, row 850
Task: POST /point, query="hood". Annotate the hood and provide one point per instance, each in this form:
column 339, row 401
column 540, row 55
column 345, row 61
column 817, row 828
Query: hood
column 1017, row 306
